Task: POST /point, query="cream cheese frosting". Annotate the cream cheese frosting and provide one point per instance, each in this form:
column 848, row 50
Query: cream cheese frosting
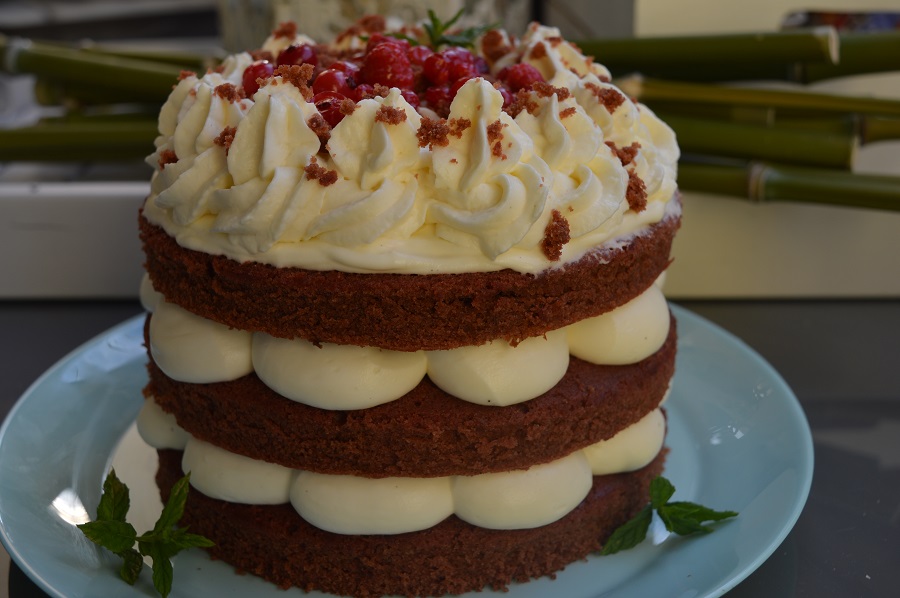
column 189, row 348
column 479, row 203
column 344, row 504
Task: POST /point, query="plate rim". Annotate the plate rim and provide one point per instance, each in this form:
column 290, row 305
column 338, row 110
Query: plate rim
column 804, row 463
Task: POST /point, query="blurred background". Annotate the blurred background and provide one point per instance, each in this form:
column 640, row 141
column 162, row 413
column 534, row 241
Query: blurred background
column 68, row 225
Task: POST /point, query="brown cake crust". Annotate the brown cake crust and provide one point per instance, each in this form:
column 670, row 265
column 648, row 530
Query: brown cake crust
column 426, row 432
column 275, row 543
column 404, row 312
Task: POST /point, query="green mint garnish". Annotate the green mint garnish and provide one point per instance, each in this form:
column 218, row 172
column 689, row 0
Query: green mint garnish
column 680, row 517
column 438, row 35
column 111, row 531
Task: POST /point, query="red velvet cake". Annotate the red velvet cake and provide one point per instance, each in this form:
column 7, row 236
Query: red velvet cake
column 406, row 330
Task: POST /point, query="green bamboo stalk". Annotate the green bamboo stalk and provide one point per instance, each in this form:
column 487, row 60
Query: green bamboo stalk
column 762, row 182
column 737, row 140
column 650, row 90
column 152, row 79
column 819, row 44
column 870, row 52
column 79, row 141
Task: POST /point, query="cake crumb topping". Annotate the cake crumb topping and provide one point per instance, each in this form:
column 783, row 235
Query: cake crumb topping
column 186, row 74
column 297, row 75
column 433, row 132
column 523, row 100
column 457, row 126
column 167, row 156
column 390, row 115
column 225, row 138
column 265, row 55
column 556, row 235
column 636, row 193
column 495, row 138
column 570, row 111
column 347, row 107
column 229, row 92
column 494, row 46
column 609, row 97
column 538, row 51
column 545, row 90
column 318, row 125
column 286, row 29
column 626, row 155
column 320, row 174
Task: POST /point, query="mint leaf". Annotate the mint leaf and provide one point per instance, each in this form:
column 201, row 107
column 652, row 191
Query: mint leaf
column 680, row 517
column 115, row 501
column 164, row 541
column 661, row 490
column 174, row 508
column 630, row 534
column 132, row 564
column 438, row 36
column 685, row 518
column 115, row 536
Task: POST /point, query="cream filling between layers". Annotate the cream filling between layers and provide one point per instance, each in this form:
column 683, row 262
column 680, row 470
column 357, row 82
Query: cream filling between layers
column 346, row 504
column 192, row 349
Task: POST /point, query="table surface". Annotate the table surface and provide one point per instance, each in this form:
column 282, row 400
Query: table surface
column 842, row 359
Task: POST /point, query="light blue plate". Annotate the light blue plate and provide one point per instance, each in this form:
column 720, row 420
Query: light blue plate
column 738, row 437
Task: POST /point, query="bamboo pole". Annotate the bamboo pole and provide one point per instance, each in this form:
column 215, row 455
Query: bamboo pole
column 738, row 140
column 762, row 182
column 650, row 90
column 79, row 141
column 152, row 79
column 780, row 48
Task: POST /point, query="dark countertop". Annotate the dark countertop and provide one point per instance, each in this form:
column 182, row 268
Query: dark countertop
column 841, row 358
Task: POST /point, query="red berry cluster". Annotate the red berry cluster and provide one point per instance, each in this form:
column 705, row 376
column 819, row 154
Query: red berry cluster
column 425, row 77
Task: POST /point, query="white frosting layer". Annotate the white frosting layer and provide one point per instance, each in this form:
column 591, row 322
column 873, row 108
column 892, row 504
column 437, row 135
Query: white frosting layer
column 159, row 429
column 624, row 335
column 353, row 505
column 479, row 203
column 497, row 373
column 335, row 376
column 193, row 349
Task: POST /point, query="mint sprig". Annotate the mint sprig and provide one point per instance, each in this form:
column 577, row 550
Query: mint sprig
column 439, row 35
column 165, row 540
column 680, row 517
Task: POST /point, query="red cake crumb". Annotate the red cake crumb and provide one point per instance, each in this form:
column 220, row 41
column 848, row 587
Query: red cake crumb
column 433, row 133
column 262, row 55
column 167, row 156
column 494, row 46
column 390, row 115
column 538, row 51
column 225, row 138
column 320, row 174
column 555, row 236
column 495, row 138
column 285, row 29
column 636, row 193
column 609, row 97
column 229, row 92
column 570, row 111
column 457, row 126
column 347, row 107
column 545, row 90
column 299, row 76
column 320, row 127
column 625, row 155
column 185, row 74
column 524, row 100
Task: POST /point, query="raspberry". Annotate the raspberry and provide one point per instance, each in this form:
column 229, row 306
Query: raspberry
column 507, row 96
column 459, row 63
column 411, row 97
column 419, row 54
column 328, row 103
column 261, row 69
column 332, row 80
column 520, row 76
column 438, row 98
column 434, row 69
column 361, row 92
column 298, row 54
column 377, row 39
column 388, row 65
